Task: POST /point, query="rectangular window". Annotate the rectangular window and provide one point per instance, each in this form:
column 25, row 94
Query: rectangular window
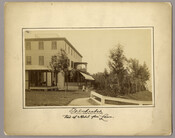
column 71, row 51
column 68, row 49
column 41, row 45
column 41, row 60
column 72, row 64
column 54, row 45
column 28, row 45
column 28, row 60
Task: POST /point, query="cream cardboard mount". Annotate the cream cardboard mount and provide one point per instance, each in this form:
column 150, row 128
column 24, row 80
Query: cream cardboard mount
column 36, row 31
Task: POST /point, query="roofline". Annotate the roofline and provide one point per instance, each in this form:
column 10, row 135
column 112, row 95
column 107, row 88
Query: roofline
column 53, row 38
column 80, row 62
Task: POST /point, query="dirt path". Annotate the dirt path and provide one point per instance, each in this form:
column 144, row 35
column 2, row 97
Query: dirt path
column 82, row 102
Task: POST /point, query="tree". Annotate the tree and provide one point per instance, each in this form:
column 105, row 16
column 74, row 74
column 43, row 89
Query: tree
column 106, row 76
column 125, row 76
column 139, row 74
column 144, row 73
column 99, row 80
column 117, row 59
column 59, row 62
column 116, row 65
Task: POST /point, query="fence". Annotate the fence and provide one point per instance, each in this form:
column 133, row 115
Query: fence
column 94, row 96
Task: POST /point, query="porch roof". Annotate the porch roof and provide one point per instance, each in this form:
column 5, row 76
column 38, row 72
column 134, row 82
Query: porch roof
column 87, row 77
column 80, row 62
column 36, row 67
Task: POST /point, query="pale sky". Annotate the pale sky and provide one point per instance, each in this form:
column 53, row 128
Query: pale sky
column 94, row 44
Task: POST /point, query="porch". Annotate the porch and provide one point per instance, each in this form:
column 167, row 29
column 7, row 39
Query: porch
column 48, row 88
column 42, row 78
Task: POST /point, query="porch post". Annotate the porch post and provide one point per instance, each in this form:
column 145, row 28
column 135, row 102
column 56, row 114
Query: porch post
column 29, row 75
column 56, row 76
column 46, row 78
column 77, row 75
column 51, row 78
column 37, row 76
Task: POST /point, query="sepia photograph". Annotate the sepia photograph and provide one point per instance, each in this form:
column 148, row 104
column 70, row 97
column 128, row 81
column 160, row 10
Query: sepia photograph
column 88, row 67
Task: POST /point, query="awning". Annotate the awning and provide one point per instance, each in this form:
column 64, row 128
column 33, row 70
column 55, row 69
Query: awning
column 36, row 67
column 87, row 77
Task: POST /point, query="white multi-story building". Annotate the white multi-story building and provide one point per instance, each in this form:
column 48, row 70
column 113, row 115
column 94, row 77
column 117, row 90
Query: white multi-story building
column 38, row 54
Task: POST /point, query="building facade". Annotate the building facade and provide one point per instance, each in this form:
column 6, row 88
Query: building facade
column 38, row 54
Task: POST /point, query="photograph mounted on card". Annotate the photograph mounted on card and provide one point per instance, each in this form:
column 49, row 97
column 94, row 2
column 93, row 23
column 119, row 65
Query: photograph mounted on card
column 88, row 67
column 75, row 68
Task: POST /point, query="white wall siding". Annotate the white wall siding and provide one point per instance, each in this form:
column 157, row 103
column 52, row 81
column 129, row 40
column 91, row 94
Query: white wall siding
column 48, row 52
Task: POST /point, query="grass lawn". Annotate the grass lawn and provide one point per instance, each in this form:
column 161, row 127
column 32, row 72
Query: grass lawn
column 141, row 96
column 53, row 98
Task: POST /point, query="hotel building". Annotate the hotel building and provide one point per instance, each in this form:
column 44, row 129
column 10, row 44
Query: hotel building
column 38, row 73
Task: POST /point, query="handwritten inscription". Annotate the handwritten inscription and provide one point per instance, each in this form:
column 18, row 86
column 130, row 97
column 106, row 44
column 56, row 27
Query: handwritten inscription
column 76, row 113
